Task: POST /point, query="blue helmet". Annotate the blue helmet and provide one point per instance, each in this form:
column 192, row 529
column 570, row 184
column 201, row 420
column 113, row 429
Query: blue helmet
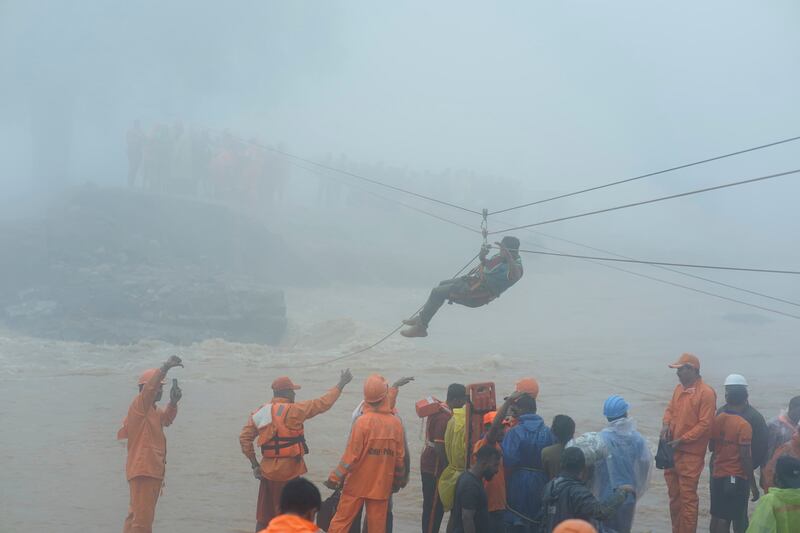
column 615, row 407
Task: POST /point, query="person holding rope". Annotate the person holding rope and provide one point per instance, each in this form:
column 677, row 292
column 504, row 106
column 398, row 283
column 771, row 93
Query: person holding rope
column 483, row 284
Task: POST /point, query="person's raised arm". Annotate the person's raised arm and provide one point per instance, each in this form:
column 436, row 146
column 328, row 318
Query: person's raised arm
column 150, row 389
column 496, row 429
column 514, row 270
column 302, row 411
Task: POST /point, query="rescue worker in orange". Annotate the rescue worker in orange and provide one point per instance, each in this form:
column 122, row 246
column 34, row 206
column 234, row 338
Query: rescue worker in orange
column 372, row 467
column 687, row 427
column 147, row 446
column 496, row 486
column 278, row 426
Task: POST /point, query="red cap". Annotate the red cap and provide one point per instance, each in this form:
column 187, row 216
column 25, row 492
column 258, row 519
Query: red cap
column 529, row 386
column 148, row 374
column 686, row 359
column 488, row 418
column 284, row 383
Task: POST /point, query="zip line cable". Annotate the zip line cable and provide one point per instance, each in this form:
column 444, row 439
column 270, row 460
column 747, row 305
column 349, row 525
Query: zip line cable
column 649, row 174
column 663, row 263
column 358, row 176
column 387, row 199
column 376, row 343
column 686, row 287
column 652, row 201
column 587, row 258
column 667, row 269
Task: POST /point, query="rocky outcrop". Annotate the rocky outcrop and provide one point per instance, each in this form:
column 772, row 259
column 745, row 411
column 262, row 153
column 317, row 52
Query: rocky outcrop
column 109, row 265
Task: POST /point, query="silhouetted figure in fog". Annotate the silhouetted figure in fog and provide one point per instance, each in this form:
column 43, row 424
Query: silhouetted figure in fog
column 135, row 140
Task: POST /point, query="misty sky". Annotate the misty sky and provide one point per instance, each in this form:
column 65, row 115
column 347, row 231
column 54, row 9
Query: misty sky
column 557, row 95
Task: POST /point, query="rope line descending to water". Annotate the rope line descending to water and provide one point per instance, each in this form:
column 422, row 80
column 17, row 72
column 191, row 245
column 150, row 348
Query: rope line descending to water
column 374, row 344
column 663, row 263
column 649, row 174
column 360, row 177
column 653, row 200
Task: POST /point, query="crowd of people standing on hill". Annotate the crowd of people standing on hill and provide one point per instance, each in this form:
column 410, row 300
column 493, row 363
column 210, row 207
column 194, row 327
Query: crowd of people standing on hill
column 194, row 162
column 520, row 476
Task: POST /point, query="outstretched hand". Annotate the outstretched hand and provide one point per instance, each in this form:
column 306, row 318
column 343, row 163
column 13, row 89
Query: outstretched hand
column 172, row 362
column 345, row 378
column 402, row 381
column 330, row 484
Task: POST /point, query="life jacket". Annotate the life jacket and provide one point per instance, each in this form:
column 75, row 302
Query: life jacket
column 275, row 439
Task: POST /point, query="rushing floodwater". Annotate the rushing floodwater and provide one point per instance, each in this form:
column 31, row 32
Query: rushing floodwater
column 61, row 403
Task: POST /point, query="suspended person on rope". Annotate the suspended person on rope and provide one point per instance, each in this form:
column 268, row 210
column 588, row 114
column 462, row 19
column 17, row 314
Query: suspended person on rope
column 482, row 285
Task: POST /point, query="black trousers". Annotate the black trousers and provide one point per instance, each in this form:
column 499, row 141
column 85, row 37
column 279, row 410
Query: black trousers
column 429, row 507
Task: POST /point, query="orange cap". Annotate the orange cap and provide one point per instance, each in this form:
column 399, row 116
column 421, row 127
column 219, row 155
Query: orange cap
column 375, row 388
column 574, row 526
column 284, row 383
column 528, row 386
column 488, row 418
column 686, row 359
column 148, row 374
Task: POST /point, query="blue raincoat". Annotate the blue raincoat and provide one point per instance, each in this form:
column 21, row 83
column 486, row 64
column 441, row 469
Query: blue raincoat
column 522, row 455
column 629, row 462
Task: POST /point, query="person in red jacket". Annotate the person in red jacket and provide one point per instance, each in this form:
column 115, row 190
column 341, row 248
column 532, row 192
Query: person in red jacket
column 372, row 466
column 687, row 427
column 147, row 445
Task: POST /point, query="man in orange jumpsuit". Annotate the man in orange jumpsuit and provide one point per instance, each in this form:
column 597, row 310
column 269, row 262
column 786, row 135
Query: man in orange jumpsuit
column 372, row 466
column 278, row 425
column 687, row 427
column 147, row 446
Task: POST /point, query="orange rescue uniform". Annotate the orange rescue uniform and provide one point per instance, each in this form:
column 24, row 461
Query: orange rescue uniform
column 279, row 470
column 728, row 433
column 289, row 523
column 792, row 449
column 372, row 467
column 147, row 454
column 496, row 487
column 689, row 416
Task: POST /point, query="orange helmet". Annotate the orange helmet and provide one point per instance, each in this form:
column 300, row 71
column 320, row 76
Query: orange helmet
column 375, row 388
column 529, row 386
column 488, row 418
column 574, row 526
column 148, row 374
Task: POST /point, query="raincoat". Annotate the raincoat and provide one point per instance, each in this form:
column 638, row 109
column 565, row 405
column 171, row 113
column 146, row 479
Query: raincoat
column 522, row 456
column 629, row 462
column 777, row 512
column 455, row 446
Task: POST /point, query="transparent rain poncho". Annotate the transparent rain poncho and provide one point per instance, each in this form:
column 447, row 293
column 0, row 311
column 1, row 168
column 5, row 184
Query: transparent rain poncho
column 628, row 459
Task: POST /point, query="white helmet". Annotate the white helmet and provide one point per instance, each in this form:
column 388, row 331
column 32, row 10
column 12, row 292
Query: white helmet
column 735, row 379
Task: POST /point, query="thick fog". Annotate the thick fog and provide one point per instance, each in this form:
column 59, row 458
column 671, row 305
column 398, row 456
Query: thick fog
column 477, row 104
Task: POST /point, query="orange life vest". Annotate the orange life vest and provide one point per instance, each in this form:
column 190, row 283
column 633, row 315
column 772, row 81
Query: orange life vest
column 275, row 439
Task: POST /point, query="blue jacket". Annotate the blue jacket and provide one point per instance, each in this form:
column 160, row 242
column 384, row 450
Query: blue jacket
column 522, row 455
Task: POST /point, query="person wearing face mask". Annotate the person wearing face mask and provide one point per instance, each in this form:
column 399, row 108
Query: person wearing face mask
column 470, row 512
